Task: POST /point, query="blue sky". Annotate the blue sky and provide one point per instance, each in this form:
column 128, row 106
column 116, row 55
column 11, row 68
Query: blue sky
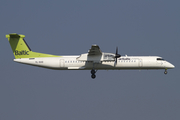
column 70, row 28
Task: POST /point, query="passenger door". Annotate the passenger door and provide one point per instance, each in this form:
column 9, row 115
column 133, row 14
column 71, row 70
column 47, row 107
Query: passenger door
column 61, row 62
column 140, row 62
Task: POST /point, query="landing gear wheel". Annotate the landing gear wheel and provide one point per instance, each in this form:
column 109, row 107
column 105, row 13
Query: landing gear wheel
column 93, row 76
column 93, row 71
column 165, row 72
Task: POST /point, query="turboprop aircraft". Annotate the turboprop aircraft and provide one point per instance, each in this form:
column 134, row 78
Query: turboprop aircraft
column 94, row 60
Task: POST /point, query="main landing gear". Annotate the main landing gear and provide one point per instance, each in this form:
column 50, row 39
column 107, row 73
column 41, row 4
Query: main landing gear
column 93, row 73
column 165, row 72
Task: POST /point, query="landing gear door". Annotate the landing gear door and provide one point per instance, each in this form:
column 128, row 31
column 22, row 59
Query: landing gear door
column 61, row 62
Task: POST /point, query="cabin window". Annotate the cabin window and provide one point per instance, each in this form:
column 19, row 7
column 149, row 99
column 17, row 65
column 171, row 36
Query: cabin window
column 160, row 59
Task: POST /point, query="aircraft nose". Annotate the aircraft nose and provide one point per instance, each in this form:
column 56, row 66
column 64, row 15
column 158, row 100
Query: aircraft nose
column 170, row 66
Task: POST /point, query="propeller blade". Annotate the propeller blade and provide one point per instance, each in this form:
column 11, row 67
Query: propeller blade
column 116, row 50
column 116, row 56
column 115, row 61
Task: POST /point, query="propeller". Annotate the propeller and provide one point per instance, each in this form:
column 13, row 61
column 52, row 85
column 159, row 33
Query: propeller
column 116, row 56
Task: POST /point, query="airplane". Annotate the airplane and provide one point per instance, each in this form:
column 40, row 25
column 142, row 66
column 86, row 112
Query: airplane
column 94, row 60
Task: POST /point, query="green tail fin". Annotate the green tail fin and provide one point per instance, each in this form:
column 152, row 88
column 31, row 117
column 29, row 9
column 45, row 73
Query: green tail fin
column 21, row 49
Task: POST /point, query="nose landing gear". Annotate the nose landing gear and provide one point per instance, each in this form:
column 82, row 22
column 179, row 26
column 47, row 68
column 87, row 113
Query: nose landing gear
column 165, row 72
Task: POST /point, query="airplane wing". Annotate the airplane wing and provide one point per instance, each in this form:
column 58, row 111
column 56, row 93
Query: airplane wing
column 95, row 50
column 94, row 54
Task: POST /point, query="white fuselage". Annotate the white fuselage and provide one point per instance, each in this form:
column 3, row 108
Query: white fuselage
column 124, row 62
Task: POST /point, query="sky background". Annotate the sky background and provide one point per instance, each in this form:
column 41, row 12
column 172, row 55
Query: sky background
column 137, row 27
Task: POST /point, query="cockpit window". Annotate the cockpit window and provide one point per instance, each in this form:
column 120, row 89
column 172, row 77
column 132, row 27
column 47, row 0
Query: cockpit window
column 160, row 59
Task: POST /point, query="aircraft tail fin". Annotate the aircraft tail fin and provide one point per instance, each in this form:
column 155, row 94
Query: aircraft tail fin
column 21, row 49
